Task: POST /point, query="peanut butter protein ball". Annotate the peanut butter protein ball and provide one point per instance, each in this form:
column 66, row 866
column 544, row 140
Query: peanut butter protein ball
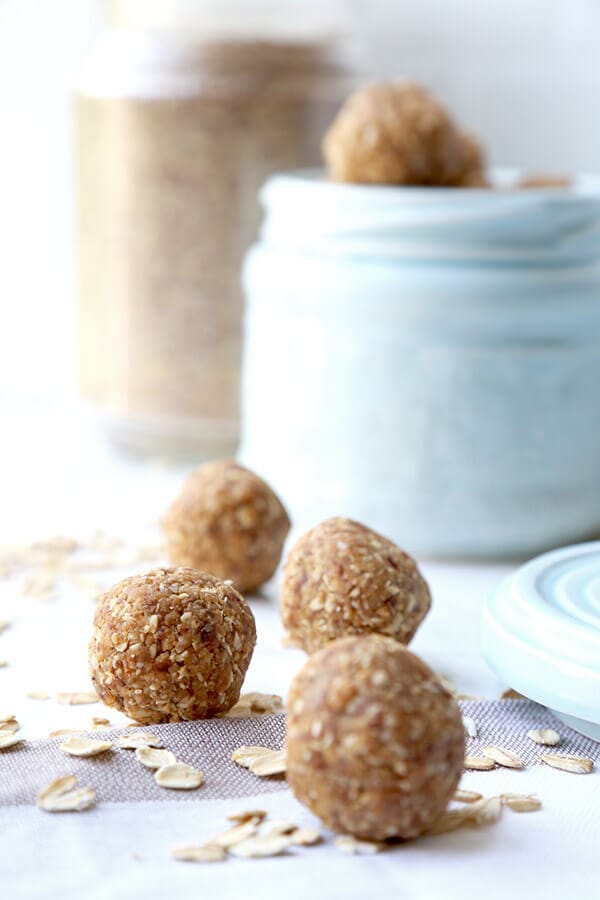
column 171, row 645
column 341, row 578
column 375, row 744
column 397, row 133
column 227, row 521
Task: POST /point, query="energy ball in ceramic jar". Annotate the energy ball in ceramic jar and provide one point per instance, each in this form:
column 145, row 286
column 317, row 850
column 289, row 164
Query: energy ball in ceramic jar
column 343, row 579
column 397, row 133
column 171, row 645
column 472, row 170
column 375, row 743
column 227, row 521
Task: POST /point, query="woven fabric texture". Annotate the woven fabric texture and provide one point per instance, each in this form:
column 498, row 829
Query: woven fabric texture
column 117, row 776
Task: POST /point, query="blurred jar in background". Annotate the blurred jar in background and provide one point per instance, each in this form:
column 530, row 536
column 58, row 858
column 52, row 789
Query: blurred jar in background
column 177, row 128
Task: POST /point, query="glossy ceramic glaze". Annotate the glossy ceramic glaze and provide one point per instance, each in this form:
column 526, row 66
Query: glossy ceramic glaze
column 428, row 361
column 541, row 633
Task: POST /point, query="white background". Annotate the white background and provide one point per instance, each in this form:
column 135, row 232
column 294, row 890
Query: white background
column 524, row 74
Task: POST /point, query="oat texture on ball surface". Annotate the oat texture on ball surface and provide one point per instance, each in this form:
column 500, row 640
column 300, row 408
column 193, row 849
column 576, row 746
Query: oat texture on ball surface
column 375, row 743
column 171, row 645
column 341, row 578
column 227, row 521
column 398, row 133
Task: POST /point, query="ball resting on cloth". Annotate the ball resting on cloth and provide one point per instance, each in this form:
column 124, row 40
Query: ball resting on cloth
column 171, row 645
column 375, row 743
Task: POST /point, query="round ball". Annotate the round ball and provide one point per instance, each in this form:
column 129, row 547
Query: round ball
column 171, row 645
column 375, row 744
column 227, row 521
column 397, row 133
column 472, row 171
column 341, row 579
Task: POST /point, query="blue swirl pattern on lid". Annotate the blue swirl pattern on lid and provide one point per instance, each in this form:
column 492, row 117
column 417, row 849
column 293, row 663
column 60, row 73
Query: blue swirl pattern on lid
column 541, row 631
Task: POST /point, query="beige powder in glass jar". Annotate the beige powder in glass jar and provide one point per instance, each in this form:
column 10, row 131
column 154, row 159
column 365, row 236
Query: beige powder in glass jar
column 174, row 138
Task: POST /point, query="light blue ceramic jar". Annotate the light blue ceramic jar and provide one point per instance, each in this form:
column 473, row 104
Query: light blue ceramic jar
column 428, row 361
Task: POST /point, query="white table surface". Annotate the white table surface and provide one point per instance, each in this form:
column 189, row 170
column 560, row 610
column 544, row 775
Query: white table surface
column 57, row 476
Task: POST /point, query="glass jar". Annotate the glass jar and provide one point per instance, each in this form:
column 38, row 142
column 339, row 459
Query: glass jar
column 175, row 136
column 427, row 361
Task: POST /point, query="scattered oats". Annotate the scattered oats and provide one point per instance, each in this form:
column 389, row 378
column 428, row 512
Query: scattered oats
column 249, row 815
column 461, row 696
column 348, row 844
column 9, row 739
column 153, row 758
column 104, row 542
column 281, row 828
column 481, row 763
column 58, row 545
column 274, row 764
column 236, row 712
column 450, row 820
column 7, row 718
column 255, row 703
column 77, row 698
column 306, row 837
column 246, row 755
column 63, row 795
column 482, row 812
column 579, row 765
column 39, row 586
column 470, row 726
column 78, row 746
column 503, row 757
column 9, row 726
column 150, row 553
column 90, row 587
column 4, row 624
column 87, row 584
column 488, row 812
column 37, row 695
column 140, row 739
column 467, row 796
column 511, row 694
column 98, row 720
column 135, row 855
column 61, row 732
column 235, row 835
column 548, row 737
column 261, row 846
column 179, row 777
column 204, row 853
column 521, row 802
column 3, row 663
column 262, row 703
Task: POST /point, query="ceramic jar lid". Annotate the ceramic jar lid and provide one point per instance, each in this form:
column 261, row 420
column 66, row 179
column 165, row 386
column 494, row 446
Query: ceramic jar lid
column 541, row 633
